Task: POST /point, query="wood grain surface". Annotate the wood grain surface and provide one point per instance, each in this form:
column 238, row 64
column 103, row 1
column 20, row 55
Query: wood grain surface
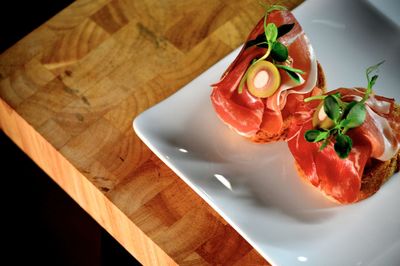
column 70, row 90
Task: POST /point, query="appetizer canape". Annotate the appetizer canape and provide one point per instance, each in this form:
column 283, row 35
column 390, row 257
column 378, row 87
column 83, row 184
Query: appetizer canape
column 274, row 72
column 346, row 142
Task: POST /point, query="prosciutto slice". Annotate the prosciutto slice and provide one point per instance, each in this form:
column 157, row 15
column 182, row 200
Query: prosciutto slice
column 247, row 114
column 339, row 178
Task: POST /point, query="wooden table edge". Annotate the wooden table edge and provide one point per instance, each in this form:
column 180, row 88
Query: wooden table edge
column 76, row 185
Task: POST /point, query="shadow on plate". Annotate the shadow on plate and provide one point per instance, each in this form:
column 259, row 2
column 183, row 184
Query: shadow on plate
column 205, row 147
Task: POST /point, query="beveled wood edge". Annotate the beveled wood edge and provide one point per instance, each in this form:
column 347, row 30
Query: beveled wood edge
column 93, row 201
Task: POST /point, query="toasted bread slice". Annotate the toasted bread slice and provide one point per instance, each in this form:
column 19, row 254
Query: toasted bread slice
column 376, row 173
column 263, row 136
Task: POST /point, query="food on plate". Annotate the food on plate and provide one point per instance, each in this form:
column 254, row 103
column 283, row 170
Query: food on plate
column 274, row 72
column 346, row 142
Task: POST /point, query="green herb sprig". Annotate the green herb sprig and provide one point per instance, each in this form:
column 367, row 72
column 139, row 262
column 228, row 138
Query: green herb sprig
column 277, row 50
column 345, row 116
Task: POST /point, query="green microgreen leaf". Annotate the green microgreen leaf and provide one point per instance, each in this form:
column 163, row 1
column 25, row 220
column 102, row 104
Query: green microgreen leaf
column 313, row 135
column 342, row 105
column 293, row 75
column 348, row 107
column 343, row 145
column 322, row 136
column 279, row 52
column 296, row 70
column 285, row 28
column 332, row 108
column 371, row 80
column 372, row 69
column 355, row 117
column 271, row 33
column 337, row 96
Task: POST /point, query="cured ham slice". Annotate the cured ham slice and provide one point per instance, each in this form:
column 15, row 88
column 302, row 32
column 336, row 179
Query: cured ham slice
column 241, row 111
column 341, row 179
column 337, row 178
column 247, row 114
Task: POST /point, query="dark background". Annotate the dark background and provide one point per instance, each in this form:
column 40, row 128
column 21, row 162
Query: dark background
column 41, row 224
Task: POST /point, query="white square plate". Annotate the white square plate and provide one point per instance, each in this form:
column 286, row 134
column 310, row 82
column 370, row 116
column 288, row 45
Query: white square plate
column 254, row 186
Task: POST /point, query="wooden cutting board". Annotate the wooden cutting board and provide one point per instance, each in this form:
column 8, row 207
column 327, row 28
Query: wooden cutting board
column 70, row 90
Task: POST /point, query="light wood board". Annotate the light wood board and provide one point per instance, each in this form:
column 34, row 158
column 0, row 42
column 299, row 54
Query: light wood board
column 70, row 89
